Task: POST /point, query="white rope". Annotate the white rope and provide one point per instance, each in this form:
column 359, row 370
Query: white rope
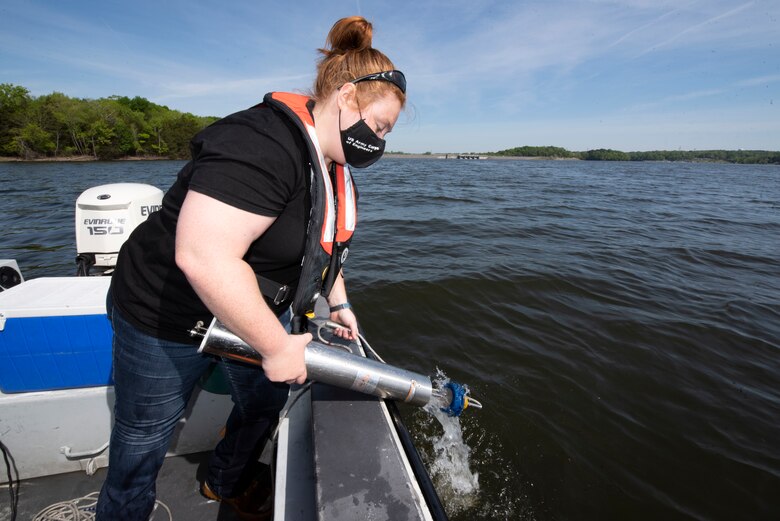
column 361, row 340
column 92, row 466
column 82, row 509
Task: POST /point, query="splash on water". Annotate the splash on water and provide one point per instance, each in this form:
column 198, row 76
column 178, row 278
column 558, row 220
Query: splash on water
column 472, row 478
column 456, row 483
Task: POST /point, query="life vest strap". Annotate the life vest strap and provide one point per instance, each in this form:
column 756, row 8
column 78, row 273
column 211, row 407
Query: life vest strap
column 274, row 291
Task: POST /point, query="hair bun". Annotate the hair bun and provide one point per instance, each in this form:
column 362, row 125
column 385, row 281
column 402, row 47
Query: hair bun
column 350, row 34
column 348, row 55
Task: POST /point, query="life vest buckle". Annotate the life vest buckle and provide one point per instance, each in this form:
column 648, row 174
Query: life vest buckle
column 282, row 294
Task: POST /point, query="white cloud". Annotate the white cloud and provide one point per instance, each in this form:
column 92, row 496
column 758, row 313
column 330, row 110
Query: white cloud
column 761, row 80
column 697, row 32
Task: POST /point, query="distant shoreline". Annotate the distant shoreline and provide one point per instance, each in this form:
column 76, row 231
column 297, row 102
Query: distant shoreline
column 84, row 159
column 76, row 159
column 481, row 157
column 445, row 156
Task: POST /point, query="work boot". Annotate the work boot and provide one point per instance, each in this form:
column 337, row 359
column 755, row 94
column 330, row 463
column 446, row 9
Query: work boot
column 256, row 503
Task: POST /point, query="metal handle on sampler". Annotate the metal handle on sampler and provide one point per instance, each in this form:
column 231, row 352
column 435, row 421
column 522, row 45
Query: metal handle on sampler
column 328, row 365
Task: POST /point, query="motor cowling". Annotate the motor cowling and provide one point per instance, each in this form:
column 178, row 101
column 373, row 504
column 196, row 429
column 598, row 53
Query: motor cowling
column 106, row 215
column 10, row 275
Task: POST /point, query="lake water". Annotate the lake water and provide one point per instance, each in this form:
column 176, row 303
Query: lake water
column 619, row 321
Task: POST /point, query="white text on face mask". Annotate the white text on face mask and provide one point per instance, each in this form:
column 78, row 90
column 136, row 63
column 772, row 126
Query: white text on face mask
column 365, row 147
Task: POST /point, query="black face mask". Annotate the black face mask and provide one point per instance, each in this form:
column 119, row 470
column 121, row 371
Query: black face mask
column 362, row 147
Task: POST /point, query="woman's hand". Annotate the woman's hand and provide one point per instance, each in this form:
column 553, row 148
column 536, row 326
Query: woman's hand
column 347, row 318
column 288, row 364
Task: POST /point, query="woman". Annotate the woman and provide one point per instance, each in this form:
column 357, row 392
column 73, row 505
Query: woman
column 228, row 242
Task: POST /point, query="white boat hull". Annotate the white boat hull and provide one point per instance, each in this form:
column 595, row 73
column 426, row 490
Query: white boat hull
column 52, row 432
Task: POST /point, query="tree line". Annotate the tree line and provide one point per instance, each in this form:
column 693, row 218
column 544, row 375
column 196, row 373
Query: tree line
column 56, row 125
column 603, row 154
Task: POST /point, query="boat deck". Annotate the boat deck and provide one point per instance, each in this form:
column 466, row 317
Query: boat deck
column 340, row 455
column 177, row 487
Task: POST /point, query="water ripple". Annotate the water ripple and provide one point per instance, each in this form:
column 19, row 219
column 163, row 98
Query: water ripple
column 619, row 321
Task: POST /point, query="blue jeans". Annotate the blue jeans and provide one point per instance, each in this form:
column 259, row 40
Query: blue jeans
column 153, row 381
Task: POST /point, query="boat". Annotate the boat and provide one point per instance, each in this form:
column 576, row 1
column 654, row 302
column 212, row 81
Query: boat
column 339, row 454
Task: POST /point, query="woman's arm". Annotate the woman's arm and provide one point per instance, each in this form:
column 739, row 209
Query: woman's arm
column 212, row 238
column 345, row 316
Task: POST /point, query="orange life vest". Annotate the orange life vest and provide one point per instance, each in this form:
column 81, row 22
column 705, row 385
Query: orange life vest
column 333, row 212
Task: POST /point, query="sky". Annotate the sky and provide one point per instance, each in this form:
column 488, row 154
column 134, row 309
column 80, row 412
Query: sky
column 483, row 75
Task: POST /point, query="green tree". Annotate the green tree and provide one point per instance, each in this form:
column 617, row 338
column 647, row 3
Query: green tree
column 605, row 154
column 528, row 151
column 32, row 141
column 178, row 131
column 106, row 128
column 51, row 118
column 156, row 124
column 14, row 101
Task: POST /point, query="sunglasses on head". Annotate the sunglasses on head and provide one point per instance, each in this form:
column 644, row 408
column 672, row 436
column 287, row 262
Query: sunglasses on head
column 397, row 78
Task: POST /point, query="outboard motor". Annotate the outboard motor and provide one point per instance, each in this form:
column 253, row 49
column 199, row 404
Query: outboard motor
column 10, row 275
column 106, row 215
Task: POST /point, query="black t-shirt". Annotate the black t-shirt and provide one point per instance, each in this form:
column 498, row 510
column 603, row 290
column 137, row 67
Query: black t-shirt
column 254, row 160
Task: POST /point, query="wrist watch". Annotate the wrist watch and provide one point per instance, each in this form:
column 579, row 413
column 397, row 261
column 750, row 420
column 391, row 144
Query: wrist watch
column 338, row 307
